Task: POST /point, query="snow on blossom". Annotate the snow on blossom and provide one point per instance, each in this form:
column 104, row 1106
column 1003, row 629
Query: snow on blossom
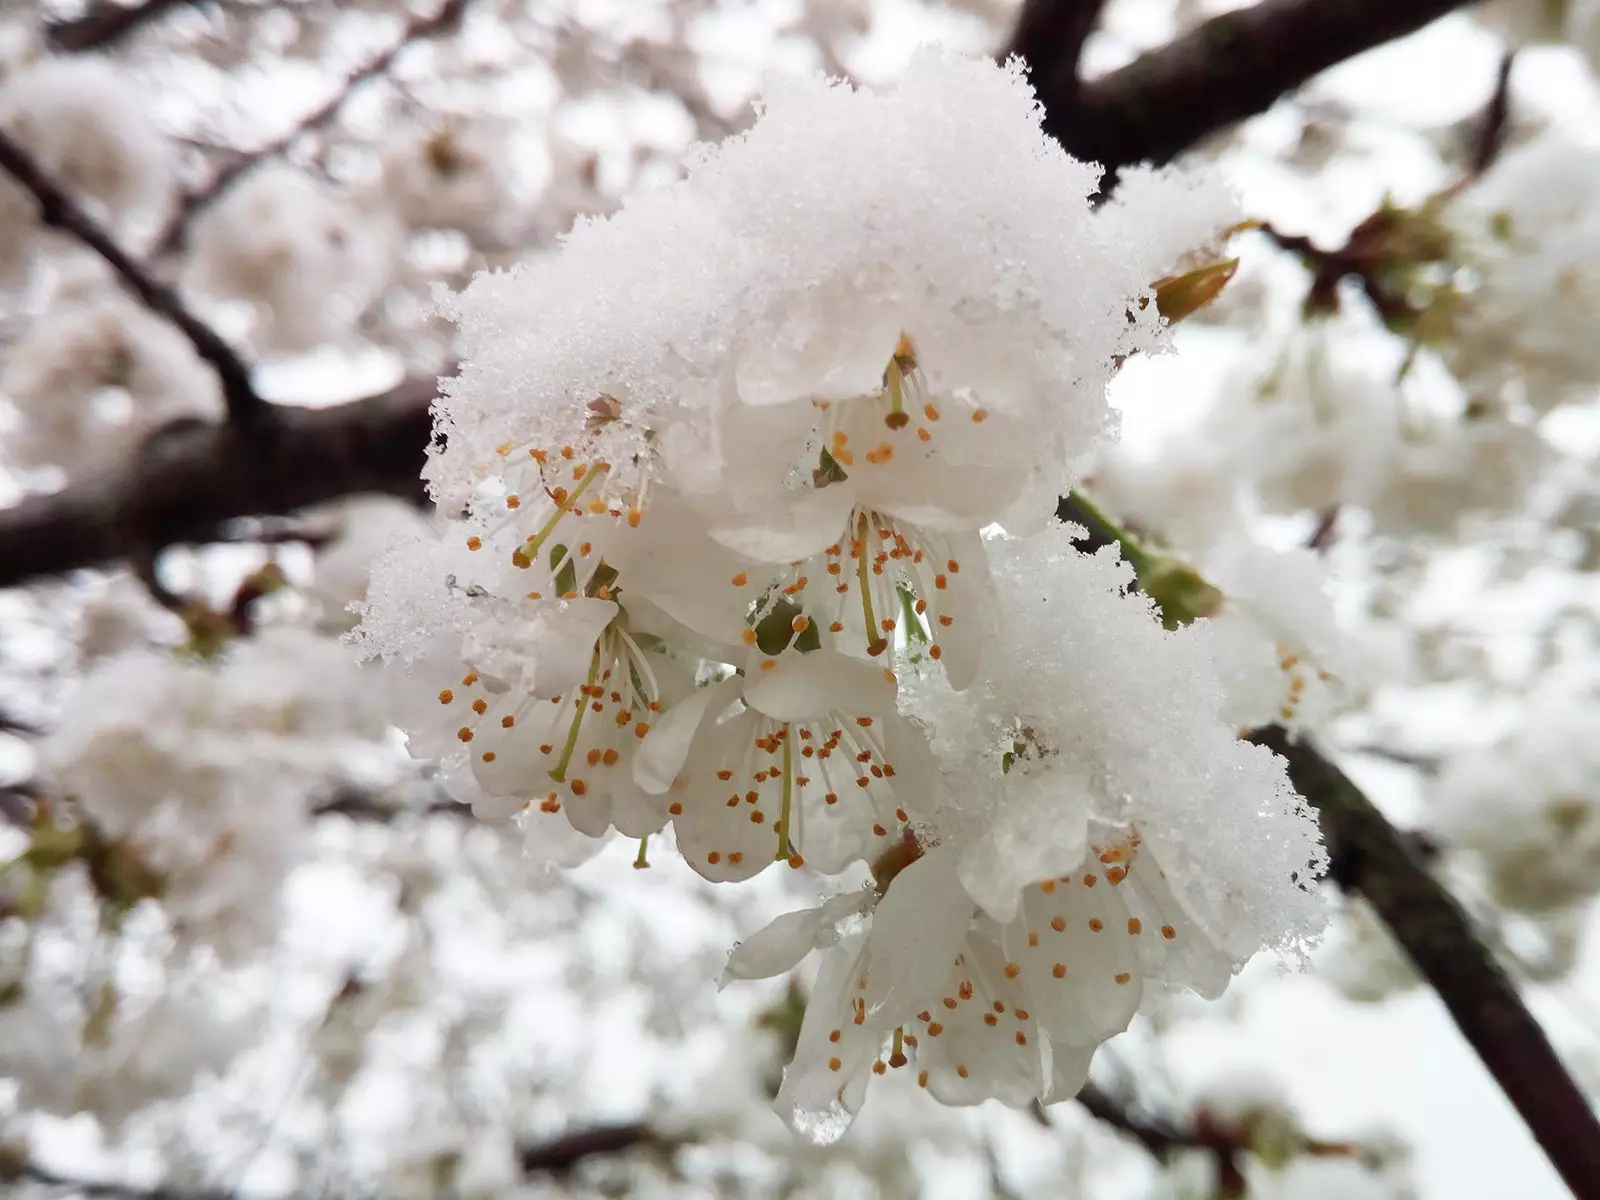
column 848, row 370
column 1098, row 829
column 1083, row 693
column 214, row 797
column 368, row 527
column 95, row 373
column 712, row 484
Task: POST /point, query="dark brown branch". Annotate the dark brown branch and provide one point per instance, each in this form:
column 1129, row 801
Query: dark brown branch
column 1368, row 855
column 59, row 211
column 446, row 20
column 1231, row 67
column 102, row 1189
column 201, row 476
column 1049, row 36
column 560, row 1155
column 1162, row 1139
column 105, row 24
column 360, row 805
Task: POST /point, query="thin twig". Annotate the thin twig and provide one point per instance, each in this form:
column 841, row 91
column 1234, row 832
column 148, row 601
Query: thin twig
column 360, row 805
column 1495, row 121
column 1162, row 1139
column 105, row 24
column 172, row 236
column 60, row 211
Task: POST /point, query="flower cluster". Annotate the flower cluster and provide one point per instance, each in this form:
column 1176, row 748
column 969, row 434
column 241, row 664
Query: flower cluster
column 717, row 485
column 88, row 125
column 209, row 804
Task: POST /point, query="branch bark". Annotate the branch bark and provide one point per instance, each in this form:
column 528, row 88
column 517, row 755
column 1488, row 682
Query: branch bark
column 1368, row 855
column 190, row 479
column 105, row 24
column 1226, row 69
column 1049, row 36
column 59, row 211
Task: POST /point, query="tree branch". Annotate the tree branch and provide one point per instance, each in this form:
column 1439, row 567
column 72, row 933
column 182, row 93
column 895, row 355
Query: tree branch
column 59, row 211
column 560, row 1155
column 1049, row 36
column 1228, row 68
column 557, row 1157
column 1368, row 855
column 419, row 28
column 105, row 24
column 193, row 479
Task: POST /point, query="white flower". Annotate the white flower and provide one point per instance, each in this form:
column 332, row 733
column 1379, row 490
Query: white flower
column 1096, row 828
column 456, row 176
column 214, row 796
column 528, row 652
column 1525, row 810
column 1528, row 229
column 95, row 373
column 1312, row 426
column 113, row 1052
column 88, row 126
column 308, row 261
column 983, row 1009
column 1452, row 469
column 1276, row 632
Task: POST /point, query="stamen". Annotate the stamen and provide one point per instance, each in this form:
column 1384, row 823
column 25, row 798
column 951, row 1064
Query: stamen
column 559, row 771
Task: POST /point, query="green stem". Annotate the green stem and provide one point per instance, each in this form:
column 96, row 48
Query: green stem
column 1097, row 520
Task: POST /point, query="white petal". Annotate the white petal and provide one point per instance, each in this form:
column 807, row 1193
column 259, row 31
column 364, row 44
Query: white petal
column 549, row 841
column 802, row 687
column 777, row 948
column 817, row 1101
column 1069, row 1071
column 1041, row 832
column 661, row 755
column 793, row 529
column 917, row 931
column 547, row 650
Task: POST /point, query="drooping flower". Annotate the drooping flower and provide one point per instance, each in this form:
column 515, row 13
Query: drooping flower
column 978, row 1008
column 1097, row 829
